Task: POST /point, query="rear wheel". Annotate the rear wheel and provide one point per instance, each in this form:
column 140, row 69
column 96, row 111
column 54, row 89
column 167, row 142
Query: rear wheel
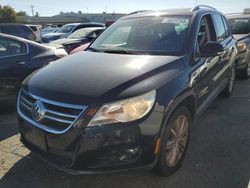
column 245, row 74
column 174, row 142
column 227, row 92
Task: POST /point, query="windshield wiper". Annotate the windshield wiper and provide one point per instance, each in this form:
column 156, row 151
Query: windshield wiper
column 94, row 49
column 119, row 51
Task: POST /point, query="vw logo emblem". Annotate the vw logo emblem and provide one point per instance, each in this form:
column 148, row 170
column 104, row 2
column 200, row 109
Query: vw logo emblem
column 38, row 111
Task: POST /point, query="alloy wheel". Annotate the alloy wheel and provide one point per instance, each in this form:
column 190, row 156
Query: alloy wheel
column 177, row 141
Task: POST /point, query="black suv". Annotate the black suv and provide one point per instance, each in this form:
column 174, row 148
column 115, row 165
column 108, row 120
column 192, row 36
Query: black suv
column 19, row 30
column 240, row 24
column 130, row 99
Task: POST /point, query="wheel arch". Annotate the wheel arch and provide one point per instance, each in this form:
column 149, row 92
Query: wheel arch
column 186, row 99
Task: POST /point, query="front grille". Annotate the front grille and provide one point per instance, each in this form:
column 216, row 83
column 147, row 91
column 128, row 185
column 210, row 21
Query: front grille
column 57, row 117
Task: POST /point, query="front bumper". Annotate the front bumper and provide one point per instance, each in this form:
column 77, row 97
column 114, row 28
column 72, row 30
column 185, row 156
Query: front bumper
column 96, row 150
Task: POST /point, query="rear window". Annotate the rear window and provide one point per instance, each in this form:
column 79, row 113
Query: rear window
column 16, row 30
column 33, row 28
column 10, row 30
column 240, row 25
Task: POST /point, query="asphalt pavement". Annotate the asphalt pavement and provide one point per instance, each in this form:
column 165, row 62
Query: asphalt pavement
column 218, row 155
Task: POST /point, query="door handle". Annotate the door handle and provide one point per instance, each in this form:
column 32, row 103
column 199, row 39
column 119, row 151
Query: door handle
column 21, row 63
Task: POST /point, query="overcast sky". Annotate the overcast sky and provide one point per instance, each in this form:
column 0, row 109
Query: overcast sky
column 53, row 7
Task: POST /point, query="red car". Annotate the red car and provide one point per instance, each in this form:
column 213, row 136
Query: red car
column 80, row 48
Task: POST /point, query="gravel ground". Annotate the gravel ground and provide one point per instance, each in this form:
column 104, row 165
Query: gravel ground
column 218, row 154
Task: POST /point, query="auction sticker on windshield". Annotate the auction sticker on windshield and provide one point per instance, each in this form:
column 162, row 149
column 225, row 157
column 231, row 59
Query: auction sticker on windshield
column 176, row 20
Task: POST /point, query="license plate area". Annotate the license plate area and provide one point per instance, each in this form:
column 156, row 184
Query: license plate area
column 34, row 137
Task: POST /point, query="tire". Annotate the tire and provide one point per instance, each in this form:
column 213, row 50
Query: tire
column 166, row 165
column 227, row 92
column 245, row 74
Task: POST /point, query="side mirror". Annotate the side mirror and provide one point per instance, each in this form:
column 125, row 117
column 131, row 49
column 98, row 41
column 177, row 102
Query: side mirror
column 211, row 49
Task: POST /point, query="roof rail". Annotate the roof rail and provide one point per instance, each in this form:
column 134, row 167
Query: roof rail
column 138, row 11
column 202, row 6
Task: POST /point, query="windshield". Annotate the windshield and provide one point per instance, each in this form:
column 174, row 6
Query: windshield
column 240, row 25
column 65, row 29
column 148, row 35
column 81, row 33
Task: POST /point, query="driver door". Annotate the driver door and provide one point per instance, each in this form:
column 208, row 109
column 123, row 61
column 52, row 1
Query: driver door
column 205, row 67
column 13, row 57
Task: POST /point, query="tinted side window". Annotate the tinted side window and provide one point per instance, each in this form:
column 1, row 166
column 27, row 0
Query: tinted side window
column 219, row 28
column 3, row 47
column 11, row 47
column 226, row 26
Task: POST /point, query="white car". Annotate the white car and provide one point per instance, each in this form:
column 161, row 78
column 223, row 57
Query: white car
column 37, row 30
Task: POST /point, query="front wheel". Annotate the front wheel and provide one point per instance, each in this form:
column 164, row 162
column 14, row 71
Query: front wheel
column 174, row 142
column 227, row 92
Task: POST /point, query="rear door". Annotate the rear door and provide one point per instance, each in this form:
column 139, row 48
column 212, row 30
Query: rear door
column 13, row 59
column 223, row 36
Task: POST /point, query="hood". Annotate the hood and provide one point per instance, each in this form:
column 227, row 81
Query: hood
column 240, row 36
column 48, row 35
column 65, row 41
column 89, row 77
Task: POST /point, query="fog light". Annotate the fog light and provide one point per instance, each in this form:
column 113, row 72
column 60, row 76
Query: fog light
column 130, row 154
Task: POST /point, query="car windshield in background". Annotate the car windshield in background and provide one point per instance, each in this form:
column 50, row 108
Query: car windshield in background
column 151, row 35
column 34, row 28
column 65, row 29
column 240, row 25
column 81, row 33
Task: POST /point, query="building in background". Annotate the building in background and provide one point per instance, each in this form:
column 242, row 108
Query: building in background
column 70, row 17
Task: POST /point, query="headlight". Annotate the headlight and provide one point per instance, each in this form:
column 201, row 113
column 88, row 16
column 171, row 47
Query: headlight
column 60, row 52
column 241, row 47
column 125, row 110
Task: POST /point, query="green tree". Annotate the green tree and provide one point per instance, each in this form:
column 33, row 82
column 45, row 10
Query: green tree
column 21, row 13
column 7, row 15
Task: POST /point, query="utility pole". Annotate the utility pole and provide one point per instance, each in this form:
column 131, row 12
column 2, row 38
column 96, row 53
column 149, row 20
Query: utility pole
column 195, row 3
column 32, row 9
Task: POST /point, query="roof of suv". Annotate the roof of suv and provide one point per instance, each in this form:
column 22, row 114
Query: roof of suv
column 173, row 12
column 12, row 24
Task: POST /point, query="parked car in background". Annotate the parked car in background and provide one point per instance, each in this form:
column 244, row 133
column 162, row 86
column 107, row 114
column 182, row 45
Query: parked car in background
column 109, row 22
column 20, row 57
column 79, row 37
column 67, row 29
column 80, row 48
column 130, row 99
column 19, row 30
column 240, row 24
column 48, row 30
column 37, row 30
